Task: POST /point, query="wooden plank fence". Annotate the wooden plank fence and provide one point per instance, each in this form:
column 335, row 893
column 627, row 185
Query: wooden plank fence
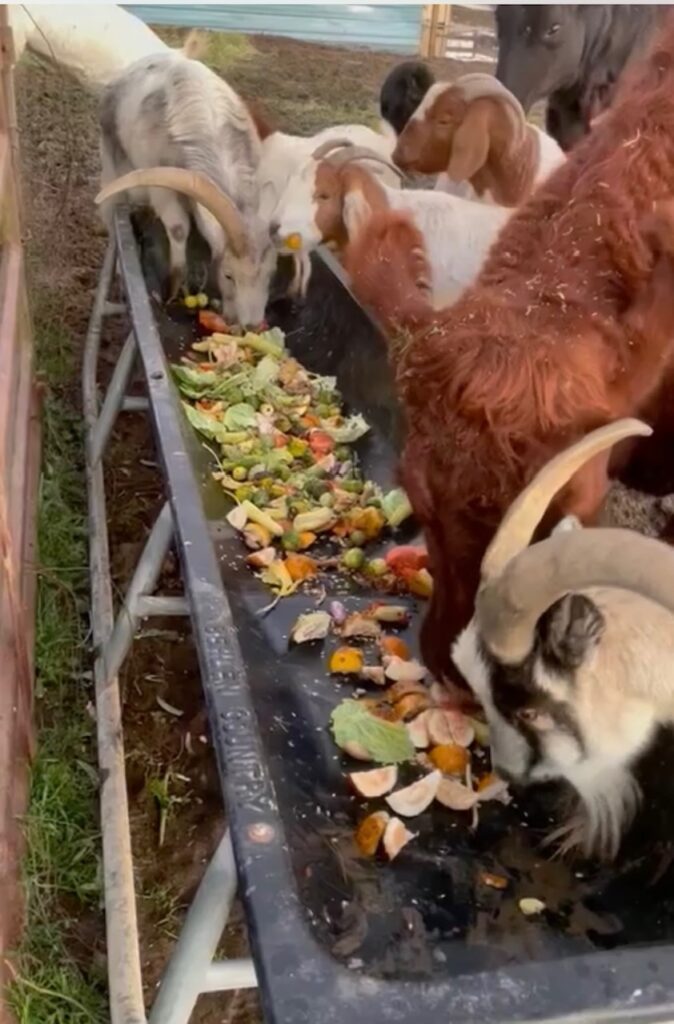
column 19, row 473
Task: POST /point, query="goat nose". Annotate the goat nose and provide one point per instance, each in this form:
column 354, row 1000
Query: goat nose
column 274, row 229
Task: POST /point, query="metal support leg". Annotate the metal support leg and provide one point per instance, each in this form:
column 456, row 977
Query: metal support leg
column 131, row 403
column 190, row 969
column 230, row 975
column 169, row 606
column 124, row 973
column 113, row 398
column 143, row 583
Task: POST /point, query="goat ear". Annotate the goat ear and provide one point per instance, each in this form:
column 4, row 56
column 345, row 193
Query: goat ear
column 570, row 630
column 356, row 212
column 470, row 145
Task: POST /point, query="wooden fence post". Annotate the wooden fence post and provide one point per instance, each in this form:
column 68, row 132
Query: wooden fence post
column 19, row 476
column 435, row 25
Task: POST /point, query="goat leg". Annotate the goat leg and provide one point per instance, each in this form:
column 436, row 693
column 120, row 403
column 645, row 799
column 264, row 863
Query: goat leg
column 176, row 282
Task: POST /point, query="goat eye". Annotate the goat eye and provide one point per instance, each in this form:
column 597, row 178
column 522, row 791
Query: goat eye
column 553, row 30
column 322, row 197
column 528, row 715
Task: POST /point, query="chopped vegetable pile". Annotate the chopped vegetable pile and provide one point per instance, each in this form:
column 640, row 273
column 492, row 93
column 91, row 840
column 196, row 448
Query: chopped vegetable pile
column 284, row 452
column 301, row 505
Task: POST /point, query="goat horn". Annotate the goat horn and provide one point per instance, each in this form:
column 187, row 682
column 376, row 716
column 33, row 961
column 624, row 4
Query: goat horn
column 363, row 153
column 190, row 183
column 328, row 146
column 520, row 521
column 520, row 583
column 479, row 86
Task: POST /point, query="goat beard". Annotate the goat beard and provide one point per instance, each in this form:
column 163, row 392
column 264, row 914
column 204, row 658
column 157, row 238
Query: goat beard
column 605, row 808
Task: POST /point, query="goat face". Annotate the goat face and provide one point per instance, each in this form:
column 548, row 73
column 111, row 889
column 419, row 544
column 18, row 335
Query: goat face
column 425, row 143
column 245, row 279
column 310, row 210
column 551, row 717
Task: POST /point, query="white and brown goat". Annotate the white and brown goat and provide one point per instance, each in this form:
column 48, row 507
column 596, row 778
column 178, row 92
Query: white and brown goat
column 474, row 131
column 337, row 190
column 571, row 651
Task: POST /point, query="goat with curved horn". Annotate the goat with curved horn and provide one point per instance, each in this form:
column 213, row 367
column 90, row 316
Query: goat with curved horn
column 190, row 183
column 570, row 652
column 520, row 583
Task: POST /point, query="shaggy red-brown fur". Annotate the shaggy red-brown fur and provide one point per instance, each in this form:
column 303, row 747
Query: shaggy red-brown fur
column 569, row 326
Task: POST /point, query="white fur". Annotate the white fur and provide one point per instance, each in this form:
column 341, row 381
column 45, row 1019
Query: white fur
column 282, row 155
column 94, row 42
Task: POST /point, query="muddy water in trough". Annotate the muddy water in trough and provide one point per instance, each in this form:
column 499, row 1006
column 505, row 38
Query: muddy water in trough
column 587, row 906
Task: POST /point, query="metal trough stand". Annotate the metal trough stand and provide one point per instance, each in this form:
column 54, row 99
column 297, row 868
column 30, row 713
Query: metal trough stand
column 192, row 969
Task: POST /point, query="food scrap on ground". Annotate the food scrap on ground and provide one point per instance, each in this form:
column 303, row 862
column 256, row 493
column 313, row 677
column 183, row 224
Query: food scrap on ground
column 530, row 906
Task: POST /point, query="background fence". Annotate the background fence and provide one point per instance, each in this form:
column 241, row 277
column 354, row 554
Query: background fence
column 19, row 471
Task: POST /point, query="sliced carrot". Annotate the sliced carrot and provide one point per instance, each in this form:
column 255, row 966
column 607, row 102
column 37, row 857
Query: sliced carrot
column 308, row 420
column 394, row 645
column 449, row 758
column 370, row 832
column 346, row 661
column 211, row 321
column 300, row 567
column 280, row 440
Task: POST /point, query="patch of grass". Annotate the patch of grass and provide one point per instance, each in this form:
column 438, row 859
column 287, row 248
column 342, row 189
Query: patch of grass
column 223, row 49
column 227, row 48
column 55, row 978
column 308, row 116
column 165, row 907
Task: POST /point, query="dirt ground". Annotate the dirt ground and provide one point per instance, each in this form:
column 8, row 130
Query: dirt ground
column 171, row 776
column 173, row 787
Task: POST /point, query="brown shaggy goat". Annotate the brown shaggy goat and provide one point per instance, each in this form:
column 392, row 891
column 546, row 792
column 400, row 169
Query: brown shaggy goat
column 569, row 326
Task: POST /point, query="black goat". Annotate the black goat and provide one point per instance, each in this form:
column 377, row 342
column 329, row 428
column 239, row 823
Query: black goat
column 572, row 55
column 403, row 90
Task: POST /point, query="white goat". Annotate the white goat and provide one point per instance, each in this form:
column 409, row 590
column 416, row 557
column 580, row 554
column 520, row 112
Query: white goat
column 571, row 650
column 328, row 199
column 172, row 128
column 474, row 131
column 95, row 42
column 283, row 154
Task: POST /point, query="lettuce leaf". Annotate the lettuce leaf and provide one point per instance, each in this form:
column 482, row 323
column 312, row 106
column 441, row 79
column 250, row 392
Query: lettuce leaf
column 385, row 742
column 240, row 417
column 205, row 424
column 266, row 372
column 396, row 507
column 352, row 429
